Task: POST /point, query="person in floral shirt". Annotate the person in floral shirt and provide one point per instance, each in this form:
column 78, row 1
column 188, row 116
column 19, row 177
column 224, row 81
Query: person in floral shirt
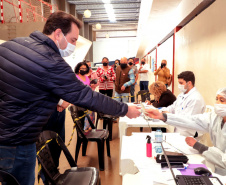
column 106, row 76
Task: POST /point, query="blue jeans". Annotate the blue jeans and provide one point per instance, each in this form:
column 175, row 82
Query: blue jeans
column 144, row 85
column 132, row 90
column 20, row 162
column 124, row 99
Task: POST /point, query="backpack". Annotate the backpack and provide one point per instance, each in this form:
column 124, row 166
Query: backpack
column 169, row 80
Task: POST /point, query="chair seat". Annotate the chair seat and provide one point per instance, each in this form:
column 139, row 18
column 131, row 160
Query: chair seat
column 79, row 176
column 95, row 134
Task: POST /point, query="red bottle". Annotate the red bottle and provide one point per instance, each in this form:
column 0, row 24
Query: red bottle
column 149, row 147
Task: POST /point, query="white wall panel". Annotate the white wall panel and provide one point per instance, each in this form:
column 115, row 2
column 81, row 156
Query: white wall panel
column 113, row 49
column 200, row 47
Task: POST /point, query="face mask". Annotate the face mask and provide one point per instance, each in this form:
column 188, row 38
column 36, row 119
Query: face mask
column 142, row 63
column 116, row 64
column 82, row 72
column 123, row 66
column 68, row 50
column 105, row 64
column 163, row 65
column 130, row 63
column 181, row 88
column 220, row 109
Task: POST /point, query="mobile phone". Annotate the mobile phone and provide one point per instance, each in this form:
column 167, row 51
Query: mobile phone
column 173, row 165
column 94, row 81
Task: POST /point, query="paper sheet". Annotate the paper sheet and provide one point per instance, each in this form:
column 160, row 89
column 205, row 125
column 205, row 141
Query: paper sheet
column 179, row 144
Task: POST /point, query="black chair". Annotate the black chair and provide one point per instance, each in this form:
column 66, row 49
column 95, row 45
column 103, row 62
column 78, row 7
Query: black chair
column 145, row 94
column 75, row 176
column 8, row 178
column 107, row 122
column 95, row 135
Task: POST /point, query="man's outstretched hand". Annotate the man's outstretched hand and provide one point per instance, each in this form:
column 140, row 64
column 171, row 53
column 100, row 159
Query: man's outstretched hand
column 133, row 112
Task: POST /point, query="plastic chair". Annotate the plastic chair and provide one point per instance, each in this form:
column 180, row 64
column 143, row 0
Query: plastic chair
column 145, row 94
column 75, row 176
column 8, row 178
column 95, row 135
column 107, row 122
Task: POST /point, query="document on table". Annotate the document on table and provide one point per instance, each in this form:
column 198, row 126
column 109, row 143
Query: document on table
column 178, row 143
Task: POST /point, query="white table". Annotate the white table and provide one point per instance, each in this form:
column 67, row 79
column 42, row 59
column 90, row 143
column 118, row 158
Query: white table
column 125, row 122
column 136, row 167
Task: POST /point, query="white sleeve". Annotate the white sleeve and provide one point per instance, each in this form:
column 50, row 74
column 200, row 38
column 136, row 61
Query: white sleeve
column 60, row 102
column 194, row 106
column 199, row 122
column 215, row 156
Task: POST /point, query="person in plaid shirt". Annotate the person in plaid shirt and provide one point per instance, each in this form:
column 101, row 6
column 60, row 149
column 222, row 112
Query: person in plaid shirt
column 106, row 76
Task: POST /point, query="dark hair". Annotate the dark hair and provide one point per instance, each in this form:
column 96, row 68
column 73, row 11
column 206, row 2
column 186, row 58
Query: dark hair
column 62, row 21
column 77, row 67
column 131, row 59
column 105, row 58
column 187, row 76
column 117, row 60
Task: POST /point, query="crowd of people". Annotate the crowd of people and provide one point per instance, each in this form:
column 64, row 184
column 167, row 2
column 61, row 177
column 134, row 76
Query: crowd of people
column 37, row 85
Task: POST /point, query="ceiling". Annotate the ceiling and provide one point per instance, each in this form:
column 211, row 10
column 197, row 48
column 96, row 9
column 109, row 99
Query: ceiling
column 126, row 14
column 158, row 23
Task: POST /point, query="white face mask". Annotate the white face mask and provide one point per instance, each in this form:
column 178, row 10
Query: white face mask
column 220, row 109
column 181, row 88
column 68, row 50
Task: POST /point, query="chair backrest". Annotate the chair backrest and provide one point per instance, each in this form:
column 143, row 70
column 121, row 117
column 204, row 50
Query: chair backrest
column 44, row 155
column 77, row 112
column 145, row 94
column 8, row 178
